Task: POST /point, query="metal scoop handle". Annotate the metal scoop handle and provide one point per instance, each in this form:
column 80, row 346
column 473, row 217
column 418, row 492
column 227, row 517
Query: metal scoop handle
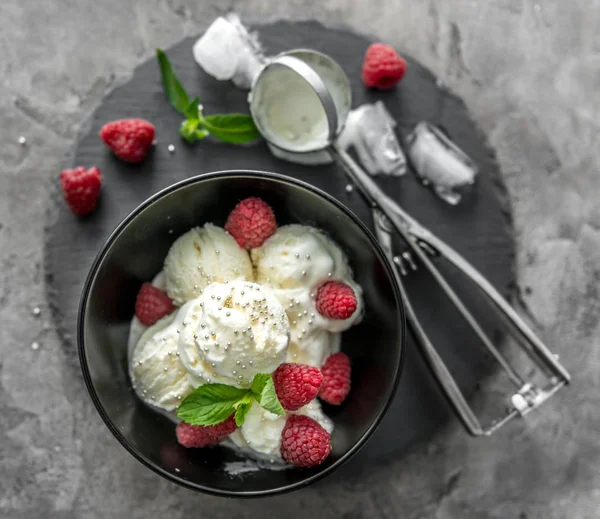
column 414, row 235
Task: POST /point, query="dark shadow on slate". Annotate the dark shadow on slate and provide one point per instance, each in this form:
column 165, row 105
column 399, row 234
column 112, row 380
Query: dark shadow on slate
column 479, row 228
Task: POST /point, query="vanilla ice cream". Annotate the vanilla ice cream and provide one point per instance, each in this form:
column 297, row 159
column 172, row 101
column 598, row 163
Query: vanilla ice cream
column 313, row 348
column 261, row 431
column 232, row 332
column 158, row 376
column 203, row 256
column 294, row 263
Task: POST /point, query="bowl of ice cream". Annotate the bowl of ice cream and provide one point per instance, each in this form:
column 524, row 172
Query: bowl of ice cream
column 176, row 309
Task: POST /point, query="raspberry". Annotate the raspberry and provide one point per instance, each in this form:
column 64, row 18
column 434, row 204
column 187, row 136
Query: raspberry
column 296, row 384
column 194, row 435
column 336, row 300
column 251, row 222
column 152, row 304
column 382, row 67
column 81, row 188
column 224, row 428
column 130, row 139
column 304, row 443
column 200, row 436
column 336, row 379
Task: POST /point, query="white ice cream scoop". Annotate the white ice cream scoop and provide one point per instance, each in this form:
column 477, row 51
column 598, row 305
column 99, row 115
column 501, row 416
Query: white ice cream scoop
column 295, row 262
column 261, row 431
column 158, row 376
column 202, row 256
column 232, row 332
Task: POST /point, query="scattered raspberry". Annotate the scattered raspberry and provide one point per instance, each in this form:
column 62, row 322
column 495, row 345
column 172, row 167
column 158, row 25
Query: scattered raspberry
column 336, row 300
column 336, row 379
column 199, row 436
column 152, row 304
column 130, row 139
column 251, row 222
column 296, row 384
column 81, row 188
column 382, row 67
column 304, row 443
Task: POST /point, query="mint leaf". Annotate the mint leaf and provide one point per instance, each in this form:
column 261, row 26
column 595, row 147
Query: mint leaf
column 263, row 390
column 210, row 404
column 242, row 408
column 192, row 111
column 190, row 131
column 232, row 128
column 259, row 382
column 177, row 95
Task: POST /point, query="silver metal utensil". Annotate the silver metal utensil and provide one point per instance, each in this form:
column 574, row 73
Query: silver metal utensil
column 528, row 396
column 300, row 101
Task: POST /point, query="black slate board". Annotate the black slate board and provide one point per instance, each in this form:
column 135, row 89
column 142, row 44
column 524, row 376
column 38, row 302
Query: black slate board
column 479, row 228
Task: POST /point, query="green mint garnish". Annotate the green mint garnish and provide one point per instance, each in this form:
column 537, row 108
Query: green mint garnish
column 233, row 128
column 242, row 409
column 211, row 404
column 174, row 89
column 265, row 395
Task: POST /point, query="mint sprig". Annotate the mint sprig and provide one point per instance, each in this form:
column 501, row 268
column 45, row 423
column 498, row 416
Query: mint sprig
column 211, row 404
column 233, row 128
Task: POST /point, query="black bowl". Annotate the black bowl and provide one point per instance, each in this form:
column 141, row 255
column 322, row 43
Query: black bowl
column 135, row 252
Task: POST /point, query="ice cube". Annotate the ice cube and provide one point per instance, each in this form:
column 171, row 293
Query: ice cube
column 440, row 163
column 228, row 51
column 369, row 130
column 251, row 58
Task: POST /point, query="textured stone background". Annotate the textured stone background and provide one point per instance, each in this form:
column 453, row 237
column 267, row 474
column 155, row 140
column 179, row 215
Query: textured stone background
column 529, row 73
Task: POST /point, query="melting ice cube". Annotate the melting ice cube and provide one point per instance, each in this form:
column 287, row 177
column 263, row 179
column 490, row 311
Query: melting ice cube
column 228, row 51
column 369, row 130
column 440, row 163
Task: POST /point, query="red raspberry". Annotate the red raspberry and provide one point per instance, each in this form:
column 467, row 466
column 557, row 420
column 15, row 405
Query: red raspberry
column 200, row 436
column 194, row 435
column 336, row 379
column 296, row 384
column 336, row 300
column 251, row 222
column 81, row 188
column 152, row 304
column 130, row 139
column 382, row 67
column 224, row 428
column 304, row 443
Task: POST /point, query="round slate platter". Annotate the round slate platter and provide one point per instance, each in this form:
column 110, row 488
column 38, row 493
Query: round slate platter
column 479, row 228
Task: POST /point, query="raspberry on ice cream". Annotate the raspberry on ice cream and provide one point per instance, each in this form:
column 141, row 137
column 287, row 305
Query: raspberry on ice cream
column 304, row 443
column 152, row 304
column 296, row 384
column 191, row 436
column 336, row 300
column 261, row 431
column 336, row 379
column 251, row 222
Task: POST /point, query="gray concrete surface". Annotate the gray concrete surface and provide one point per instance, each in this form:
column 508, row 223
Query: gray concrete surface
column 529, row 73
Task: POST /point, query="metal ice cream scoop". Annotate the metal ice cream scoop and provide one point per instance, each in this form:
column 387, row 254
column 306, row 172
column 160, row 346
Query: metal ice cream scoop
column 300, row 101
